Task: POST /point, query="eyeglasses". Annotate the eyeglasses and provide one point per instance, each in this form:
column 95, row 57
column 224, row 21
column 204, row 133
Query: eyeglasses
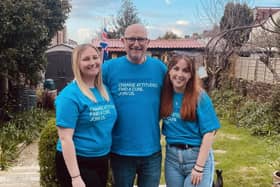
column 132, row 40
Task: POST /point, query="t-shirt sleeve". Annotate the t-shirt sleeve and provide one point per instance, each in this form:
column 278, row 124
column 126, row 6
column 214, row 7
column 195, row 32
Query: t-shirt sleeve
column 206, row 115
column 66, row 112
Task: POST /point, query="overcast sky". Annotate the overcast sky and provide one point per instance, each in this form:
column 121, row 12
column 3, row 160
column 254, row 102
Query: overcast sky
column 182, row 17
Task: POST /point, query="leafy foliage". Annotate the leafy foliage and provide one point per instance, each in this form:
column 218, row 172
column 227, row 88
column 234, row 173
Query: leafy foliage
column 262, row 119
column 256, row 117
column 275, row 103
column 226, row 103
column 236, row 15
column 27, row 28
column 47, row 149
column 24, row 128
column 127, row 15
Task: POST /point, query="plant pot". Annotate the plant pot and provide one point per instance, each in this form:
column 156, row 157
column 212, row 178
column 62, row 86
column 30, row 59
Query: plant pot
column 276, row 179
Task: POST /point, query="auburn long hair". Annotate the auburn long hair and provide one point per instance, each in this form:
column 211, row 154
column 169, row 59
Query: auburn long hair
column 98, row 83
column 191, row 93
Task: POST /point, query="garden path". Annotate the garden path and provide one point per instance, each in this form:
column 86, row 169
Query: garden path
column 25, row 172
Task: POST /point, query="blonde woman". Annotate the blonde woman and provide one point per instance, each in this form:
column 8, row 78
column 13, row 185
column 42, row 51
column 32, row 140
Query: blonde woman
column 85, row 115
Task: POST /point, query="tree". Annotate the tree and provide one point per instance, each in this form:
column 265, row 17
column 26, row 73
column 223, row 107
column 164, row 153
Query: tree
column 127, row 15
column 27, row 28
column 169, row 35
column 221, row 47
column 236, row 15
column 196, row 36
column 235, row 26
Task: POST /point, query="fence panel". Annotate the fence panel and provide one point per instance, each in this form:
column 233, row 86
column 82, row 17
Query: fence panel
column 251, row 68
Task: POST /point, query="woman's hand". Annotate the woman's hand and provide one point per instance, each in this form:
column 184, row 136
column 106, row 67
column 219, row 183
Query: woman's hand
column 196, row 175
column 78, row 182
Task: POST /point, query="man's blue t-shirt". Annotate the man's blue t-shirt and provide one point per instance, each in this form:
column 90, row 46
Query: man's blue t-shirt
column 178, row 131
column 93, row 122
column 136, row 91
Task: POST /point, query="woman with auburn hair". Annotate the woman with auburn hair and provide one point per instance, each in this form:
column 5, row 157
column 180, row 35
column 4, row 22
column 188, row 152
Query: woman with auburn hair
column 85, row 115
column 189, row 126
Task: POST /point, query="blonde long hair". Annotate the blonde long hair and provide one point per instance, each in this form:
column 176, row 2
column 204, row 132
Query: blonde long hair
column 98, row 83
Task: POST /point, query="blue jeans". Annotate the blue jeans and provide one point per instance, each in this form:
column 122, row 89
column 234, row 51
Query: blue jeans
column 179, row 164
column 147, row 168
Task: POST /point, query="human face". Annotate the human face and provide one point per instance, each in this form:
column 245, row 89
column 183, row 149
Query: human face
column 180, row 75
column 136, row 43
column 89, row 64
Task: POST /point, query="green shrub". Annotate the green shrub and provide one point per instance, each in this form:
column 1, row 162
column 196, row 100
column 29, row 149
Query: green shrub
column 8, row 146
column 261, row 118
column 23, row 128
column 226, row 103
column 252, row 113
column 47, row 149
column 275, row 108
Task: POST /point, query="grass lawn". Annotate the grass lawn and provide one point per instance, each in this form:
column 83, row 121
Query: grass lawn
column 245, row 160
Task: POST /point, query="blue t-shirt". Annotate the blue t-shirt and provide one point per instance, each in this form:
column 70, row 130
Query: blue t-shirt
column 93, row 122
column 177, row 131
column 136, row 91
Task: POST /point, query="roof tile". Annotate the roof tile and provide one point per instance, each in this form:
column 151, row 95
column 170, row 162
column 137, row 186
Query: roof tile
column 117, row 45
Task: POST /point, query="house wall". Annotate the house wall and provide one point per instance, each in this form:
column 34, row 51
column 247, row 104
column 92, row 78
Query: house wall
column 263, row 38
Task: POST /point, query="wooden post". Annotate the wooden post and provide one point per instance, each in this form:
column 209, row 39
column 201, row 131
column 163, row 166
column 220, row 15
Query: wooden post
column 256, row 70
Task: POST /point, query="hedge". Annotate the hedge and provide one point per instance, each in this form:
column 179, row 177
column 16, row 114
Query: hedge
column 47, row 149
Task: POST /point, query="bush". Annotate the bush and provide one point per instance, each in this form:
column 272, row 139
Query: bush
column 275, row 107
column 226, row 103
column 261, row 118
column 257, row 117
column 21, row 130
column 47, row 149
column 8, row 146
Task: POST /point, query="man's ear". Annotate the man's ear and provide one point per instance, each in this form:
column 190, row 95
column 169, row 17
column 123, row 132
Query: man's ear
column 148, row 42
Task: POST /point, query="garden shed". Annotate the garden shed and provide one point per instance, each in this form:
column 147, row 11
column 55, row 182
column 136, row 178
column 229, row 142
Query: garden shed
column 59, row 66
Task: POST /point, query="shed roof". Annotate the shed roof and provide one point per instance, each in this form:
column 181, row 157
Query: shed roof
column 60, row 47
column 117, row 45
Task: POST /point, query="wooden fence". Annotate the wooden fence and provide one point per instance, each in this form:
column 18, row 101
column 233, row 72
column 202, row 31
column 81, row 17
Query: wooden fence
column 251, row 68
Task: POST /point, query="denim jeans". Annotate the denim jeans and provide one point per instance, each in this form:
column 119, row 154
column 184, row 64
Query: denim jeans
column 147, row 168
column 179, row 164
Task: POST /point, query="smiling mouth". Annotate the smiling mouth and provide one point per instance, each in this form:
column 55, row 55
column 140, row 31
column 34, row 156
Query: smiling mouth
column 136, row 49
column 179, row 81
column 93, row 66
